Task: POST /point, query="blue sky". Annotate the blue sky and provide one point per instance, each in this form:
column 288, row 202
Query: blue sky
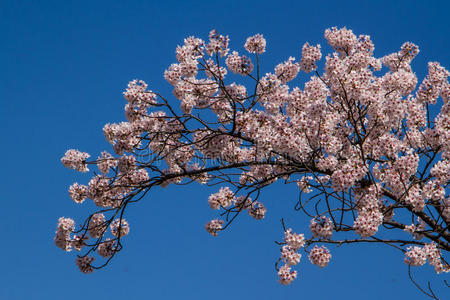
column 64, row 66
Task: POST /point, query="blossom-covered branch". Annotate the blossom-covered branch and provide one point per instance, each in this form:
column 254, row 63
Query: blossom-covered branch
column 369, row 148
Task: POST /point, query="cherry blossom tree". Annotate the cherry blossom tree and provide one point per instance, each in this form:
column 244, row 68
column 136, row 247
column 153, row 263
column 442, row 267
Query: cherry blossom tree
column 361, row 140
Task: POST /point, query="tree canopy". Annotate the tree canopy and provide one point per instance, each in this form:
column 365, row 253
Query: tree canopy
column 360, row 140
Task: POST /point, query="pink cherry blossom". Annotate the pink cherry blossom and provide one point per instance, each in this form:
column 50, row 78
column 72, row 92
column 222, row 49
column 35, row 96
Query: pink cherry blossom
column 223, row 198
column 78, row 192
column 286, row 276
column 321, row 227
column 119, row 227
column 64, row 229
column 107, row 248
column 74, row 159
column 84, row 264
column 415, row 256
column 310, row 55
column 290, row 256
column 214, row 226
column 256, row 44
column 97, row 225
column 294, row 240
column 239, row 64
column 320, row 256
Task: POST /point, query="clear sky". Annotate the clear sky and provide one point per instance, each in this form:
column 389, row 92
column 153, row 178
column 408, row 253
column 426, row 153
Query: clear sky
column 64, row 65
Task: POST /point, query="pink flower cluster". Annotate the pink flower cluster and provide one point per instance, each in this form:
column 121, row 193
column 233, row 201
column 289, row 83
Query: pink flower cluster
column 294, row 240
column 119, row 227
column 224, row 198
column 348, row 173
column 126, row 163
column 342, row 40
column 74, row 159
column 416, row 229
column 239, row 64
column 310, row 55
column 286, row 275
column 64, row 229
column 445, row 209
column 97, row 225
column 370, row 211
column 256, row 44
column 367, row 222
column 304, row 185
column 290, row 256
column 137, row 94
column 63, row 239
column 417, row 256
column 433, row 255
column 84, row 264
column 433, row 84
column 217, row 44
column 441, row 170
column 287, row 70
column 78, row 192
column 214, row 226
column 320, row 256
column 79, row 241
column 257, row 210
column 401, row 59
column 321, row 227
column 107, row 248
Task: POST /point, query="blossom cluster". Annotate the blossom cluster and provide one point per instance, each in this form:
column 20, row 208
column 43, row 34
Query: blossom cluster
column 239, row 64
column 64, row 229
column 119, row 227
column 74, row 159
column 287, row 70
column 214, row 226
column 415, row 230
column 321, row 227
column 310, row 55
column 107, row 248
column 84, row 264
column 256, row 44
column 223, row 198
column 418, row 256
column 370, row 211
column 290, row 256
column 320, row 256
